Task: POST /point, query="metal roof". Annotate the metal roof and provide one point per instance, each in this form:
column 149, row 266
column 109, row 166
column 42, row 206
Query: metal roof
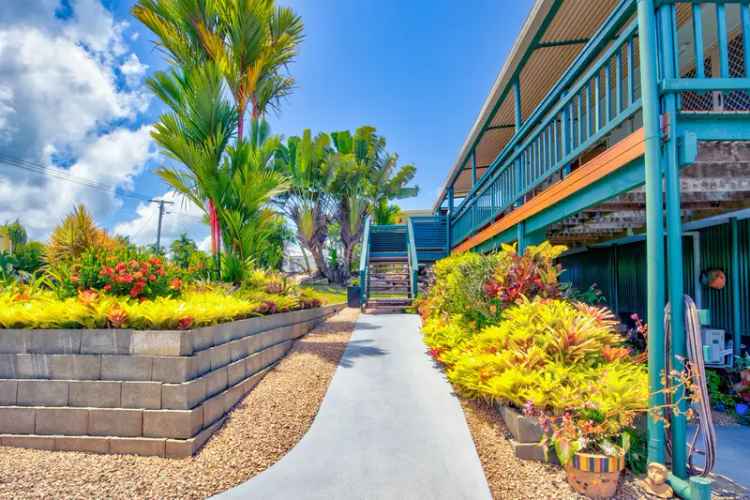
column 553, row 35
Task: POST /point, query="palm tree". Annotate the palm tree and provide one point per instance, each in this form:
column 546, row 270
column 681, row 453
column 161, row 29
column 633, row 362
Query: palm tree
column 365, row 178
column 182, row 249
column 308, row 201
column 384, row 213
column 196, row 133
column 251, row 41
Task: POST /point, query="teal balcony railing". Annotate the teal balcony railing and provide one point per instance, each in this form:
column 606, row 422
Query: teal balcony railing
column 599, row 95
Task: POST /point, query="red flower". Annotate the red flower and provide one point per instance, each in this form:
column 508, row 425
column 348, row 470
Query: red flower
column 107, row 288
column 120, row 267
column 74, row 278
column 152, row 277
column 185, row 323
column 175, row 284
column 138, row 275
column 154, row 261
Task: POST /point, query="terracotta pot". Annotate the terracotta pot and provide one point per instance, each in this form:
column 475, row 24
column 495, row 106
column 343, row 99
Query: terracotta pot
column 595, row 476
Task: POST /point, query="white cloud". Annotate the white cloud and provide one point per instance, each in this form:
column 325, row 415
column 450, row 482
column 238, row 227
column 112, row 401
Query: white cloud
column 133, row 69
column 60, row 98
column 181, row 217
column 40, row 201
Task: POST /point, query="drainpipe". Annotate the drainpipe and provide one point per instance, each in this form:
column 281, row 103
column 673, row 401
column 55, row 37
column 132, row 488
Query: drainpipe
column 736, row 318
column 654, row 229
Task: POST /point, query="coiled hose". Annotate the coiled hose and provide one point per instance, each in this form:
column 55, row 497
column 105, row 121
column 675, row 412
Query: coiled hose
column 705, row 425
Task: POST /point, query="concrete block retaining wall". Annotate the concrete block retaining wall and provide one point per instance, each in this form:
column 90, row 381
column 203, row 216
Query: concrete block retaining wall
column 142, row 392
column 527, row 435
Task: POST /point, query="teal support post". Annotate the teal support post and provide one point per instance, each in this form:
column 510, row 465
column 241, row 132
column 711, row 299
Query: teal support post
column 473, row 167
column 736, row 318
column 654, row 230
column 517, row 102
column 674, row 242
column 449, row 217
column 521, row 237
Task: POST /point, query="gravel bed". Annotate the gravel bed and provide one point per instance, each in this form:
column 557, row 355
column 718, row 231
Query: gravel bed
column 265, row 425
column 512, row 478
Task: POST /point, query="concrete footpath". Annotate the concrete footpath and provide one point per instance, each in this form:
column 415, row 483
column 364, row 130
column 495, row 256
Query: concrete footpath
column 389, row 427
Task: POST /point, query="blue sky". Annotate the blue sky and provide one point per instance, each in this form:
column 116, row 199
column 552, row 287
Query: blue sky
column 418, row 71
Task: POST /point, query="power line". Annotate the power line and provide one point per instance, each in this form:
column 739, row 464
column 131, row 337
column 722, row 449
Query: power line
column 44, row 170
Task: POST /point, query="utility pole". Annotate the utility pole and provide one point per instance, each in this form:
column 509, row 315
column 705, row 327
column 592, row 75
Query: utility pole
column 161, row 217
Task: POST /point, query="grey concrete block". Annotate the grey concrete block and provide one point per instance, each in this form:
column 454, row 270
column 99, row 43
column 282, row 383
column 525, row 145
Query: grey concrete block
column 202, row 338
column 202, row 360
column 524, row 429
column 7, row 365
column 232, row 396
column 176, row 424
column 62, row 421
column 33, row 442
column 183, row 396
column 531, row 451
column 145, row 395
column 221, row 334
column 17, row 420
column 216, row 381
column 8, row 392
column 74, row 366
column 123, row 367
column 29, row 366
column 14, row 341
column 43, row 392
column 253, row 343
column 115, row 422
column 161, row 343
column 137, row 446
column 237, row 350
column 249, row 383
column 174, row 369
column 183, row 448
column 236, row 371
column 107, row 341
column 54, row 341
column 254, row 363
column 179, row 448
column 95, row 393
column 87, row 444
column 214, row 408
column 219, row 356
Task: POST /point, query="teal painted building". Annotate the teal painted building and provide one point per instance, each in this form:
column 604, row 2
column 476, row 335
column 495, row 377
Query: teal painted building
column 620, row 128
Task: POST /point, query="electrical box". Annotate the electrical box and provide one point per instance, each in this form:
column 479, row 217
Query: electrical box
column 715, row 349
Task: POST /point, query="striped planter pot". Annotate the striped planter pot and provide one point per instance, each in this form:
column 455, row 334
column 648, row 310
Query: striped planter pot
column 595, row 476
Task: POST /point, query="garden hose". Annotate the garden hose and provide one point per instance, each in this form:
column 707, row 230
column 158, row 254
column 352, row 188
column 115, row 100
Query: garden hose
column 705, row 428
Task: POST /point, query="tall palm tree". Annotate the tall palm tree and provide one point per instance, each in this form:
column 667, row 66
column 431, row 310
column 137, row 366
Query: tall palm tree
column 251, row 41
column 308, row 201
column 196, row 133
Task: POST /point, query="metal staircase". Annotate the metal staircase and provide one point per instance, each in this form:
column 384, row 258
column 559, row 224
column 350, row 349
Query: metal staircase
column 393, row 256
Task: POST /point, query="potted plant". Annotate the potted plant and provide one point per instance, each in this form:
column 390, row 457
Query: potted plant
column 591, row 447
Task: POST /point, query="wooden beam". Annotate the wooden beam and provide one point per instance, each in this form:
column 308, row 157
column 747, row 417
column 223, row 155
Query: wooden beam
column 619, row 155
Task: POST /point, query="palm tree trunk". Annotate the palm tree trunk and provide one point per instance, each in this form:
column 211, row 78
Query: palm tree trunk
column 240, row 122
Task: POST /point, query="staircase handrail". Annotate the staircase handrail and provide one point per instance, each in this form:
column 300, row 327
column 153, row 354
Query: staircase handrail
column 364, row 261
column 413, row 262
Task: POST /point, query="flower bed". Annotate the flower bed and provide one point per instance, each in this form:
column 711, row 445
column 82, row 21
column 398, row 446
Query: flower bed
column 23, row 307
column 506, row 330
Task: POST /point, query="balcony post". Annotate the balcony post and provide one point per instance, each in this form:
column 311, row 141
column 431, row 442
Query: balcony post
column 654, row 228
column 674, row 241
column 449, row 217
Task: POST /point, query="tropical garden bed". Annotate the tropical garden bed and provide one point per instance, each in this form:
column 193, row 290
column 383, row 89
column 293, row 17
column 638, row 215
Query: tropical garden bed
column 509, row 334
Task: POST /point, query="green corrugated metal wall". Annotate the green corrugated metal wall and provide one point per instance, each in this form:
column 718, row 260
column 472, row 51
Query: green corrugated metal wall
column 597, row 266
